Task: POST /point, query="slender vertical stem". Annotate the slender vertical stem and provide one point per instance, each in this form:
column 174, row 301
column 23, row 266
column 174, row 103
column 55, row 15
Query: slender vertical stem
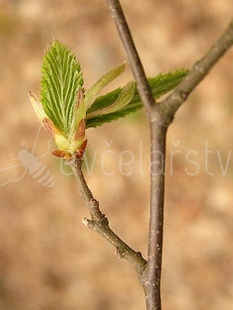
column 134, row 60
column 151, row 278
column 155, row 246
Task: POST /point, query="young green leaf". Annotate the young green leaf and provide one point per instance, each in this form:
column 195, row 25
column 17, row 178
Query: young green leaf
column 160, row 85
column 61, row 79
column 62, row 108
column 125, row 96
column 93, row 92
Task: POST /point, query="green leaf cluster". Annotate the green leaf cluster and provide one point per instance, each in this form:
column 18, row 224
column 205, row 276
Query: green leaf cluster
column 66, row 109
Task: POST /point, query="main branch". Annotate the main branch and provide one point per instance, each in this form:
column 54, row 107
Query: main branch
column 160, row 116
column 151, row 279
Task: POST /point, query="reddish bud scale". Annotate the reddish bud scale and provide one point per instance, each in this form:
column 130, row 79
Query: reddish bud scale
column 49, row 126
column 82, row 148
column 61, row 154
column 80, row 133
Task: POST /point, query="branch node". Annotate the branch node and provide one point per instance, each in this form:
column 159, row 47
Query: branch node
column 183, row 95
column 88, row 223
column 119, row 252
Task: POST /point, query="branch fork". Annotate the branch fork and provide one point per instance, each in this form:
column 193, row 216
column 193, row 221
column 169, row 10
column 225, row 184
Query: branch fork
column 160, row 116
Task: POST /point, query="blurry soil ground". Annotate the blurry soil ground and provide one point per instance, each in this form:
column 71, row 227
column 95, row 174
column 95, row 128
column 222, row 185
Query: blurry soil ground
column 48, row 259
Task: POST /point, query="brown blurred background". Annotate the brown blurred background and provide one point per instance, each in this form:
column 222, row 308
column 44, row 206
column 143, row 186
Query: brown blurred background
column 48, row 259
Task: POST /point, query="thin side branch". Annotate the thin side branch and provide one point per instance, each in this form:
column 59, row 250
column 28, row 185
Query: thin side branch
column 180, row 94
column 100, row 223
